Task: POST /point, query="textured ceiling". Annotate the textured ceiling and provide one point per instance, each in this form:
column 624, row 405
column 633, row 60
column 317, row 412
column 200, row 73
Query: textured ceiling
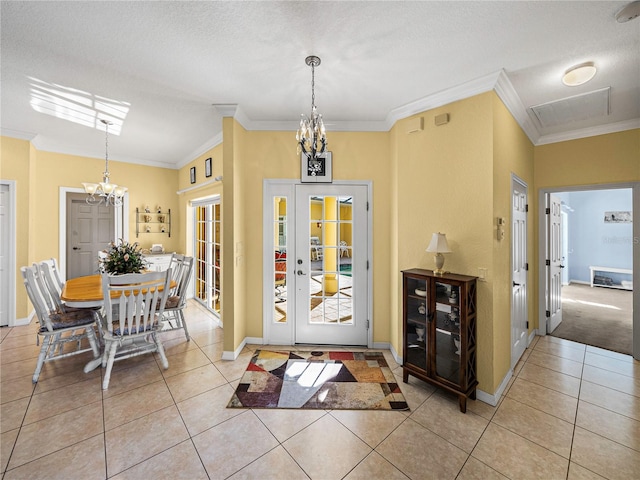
column 159, row 67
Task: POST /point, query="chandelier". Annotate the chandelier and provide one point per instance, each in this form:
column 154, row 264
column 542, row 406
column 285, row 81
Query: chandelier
column 311, row 136
column 105, row 192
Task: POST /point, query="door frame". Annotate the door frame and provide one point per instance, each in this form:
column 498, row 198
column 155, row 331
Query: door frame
column 284, row 334
column 542, row 239
column 121, row 218
column 11, row 252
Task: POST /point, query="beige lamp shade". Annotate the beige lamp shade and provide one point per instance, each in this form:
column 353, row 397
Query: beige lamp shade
column 438, row 245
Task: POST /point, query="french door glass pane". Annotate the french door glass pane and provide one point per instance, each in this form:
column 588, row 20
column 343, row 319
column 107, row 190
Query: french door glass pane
column 207, row 252
column 280, row 259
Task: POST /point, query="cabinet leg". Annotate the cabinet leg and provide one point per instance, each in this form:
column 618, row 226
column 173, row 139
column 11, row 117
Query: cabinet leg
column 405, row 376
column 473, row 394
column 462, row 400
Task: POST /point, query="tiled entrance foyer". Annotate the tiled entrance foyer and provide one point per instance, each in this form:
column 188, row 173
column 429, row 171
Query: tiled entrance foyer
column 570, row 412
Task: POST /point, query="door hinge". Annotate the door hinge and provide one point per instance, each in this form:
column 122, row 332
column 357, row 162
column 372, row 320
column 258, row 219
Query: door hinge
column 547, row 263
column 526, row 266
column 526, row 207
column 367, row 264
column 367, row 324
column 527, row 324
column 547, row 210
column 367, row 206
column 547, row 314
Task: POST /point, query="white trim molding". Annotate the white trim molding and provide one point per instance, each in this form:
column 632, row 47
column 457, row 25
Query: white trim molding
column 11, row 254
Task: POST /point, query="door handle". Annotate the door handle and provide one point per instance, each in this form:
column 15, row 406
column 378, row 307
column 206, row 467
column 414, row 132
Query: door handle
column 300, row 272
column 76, row 248
column 561, row 266
column 516, row 284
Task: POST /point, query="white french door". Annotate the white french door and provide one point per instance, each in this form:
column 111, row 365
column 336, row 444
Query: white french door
column 208, row 243
column 330, row 264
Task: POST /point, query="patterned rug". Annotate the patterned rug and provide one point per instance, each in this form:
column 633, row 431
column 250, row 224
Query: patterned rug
column 312, row 380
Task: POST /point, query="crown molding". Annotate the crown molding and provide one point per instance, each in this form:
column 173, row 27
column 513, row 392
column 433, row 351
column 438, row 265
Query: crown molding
column 201, row 150
column 505, row 91
column 590, row 132
column 7, row 132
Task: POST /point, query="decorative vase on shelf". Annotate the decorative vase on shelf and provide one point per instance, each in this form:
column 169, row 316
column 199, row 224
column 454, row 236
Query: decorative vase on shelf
column 453, row 298
column 420, row 331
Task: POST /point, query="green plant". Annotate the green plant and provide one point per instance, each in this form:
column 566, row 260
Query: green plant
column 122, row 258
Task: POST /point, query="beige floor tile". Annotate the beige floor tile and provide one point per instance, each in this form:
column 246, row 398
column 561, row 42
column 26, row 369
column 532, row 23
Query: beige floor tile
column 371, row 426
column 7, row 441
column 133, row 377
column 550, row 339
column 176, row 345
column 613, row 380
column 480, row 408
column 611, row 399
column 611, row 425
column 522, row 459
column 4, row 331
column 233, row 370
column 374, row 467
column 285, row 423
column 534, row 425
column 177, row 463
column 415, row 391
column 61, row 400
column 443, row 417
column 213, row 351
column 549, row 401
column 232, row 445
column 183, row 362
column 578, row 472
column 26, row 353
column 55, row 433
column 83, row 460
column 608, row 353
column 16, row 341
column 330, row 440
column 474, row 469
column 630, row 369
column 15, row 370
column 559, row 364
column 137, row 403
column 420, row 453
column 276, row 464
column 194, row 382
column 12, row 414
column 63, row 366
column 604, row 457
column 208, row 337
column 560, row 350
column 139, row 440
column 208, row 409
column 551, row 379
column 59, row 381
column 16, row 389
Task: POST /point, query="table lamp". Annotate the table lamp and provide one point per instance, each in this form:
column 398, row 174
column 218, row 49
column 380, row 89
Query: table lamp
column 439, row 246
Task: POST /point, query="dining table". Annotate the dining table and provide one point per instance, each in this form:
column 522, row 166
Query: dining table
column 86, row 292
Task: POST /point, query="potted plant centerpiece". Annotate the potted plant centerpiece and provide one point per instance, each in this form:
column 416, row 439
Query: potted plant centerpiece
column 122, row 258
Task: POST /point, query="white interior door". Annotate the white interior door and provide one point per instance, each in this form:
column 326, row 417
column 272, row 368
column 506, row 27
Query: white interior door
column 554, row 262
column 331, row 281
column 5, row 244
column 90, row 228
column 518, row 271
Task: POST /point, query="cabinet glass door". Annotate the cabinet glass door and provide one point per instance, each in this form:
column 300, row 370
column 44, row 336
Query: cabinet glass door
column 447, row 332
column 417, row 332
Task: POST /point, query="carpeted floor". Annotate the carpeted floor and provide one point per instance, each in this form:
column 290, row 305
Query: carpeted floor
column 601, row 317
column 318, row 380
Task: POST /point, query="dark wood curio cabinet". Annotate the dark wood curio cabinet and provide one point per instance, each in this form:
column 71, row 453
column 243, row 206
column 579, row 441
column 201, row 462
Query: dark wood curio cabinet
column 439, row 331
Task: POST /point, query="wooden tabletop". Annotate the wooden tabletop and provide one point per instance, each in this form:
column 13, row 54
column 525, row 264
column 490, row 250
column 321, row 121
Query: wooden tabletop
column 86, row 289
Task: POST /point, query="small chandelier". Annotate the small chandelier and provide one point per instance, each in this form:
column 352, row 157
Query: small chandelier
column 311, row 136
column 105, row 192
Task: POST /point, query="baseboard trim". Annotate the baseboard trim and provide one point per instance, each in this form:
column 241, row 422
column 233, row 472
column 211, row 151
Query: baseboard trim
column 493, row 399
column 532, row 335
column 21, row 322
column 381, row 345
column 226, row 355
column 397, row 357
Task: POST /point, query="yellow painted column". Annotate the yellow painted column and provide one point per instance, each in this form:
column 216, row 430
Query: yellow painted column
column 329, row 251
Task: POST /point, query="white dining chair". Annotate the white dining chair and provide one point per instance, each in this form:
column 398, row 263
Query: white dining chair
column 134, row 305
column 182, row 268
column 58, row 328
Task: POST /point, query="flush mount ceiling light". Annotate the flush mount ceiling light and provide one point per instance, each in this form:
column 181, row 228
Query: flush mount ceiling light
column 105, row 192
column 629, row 12
column 579, row 74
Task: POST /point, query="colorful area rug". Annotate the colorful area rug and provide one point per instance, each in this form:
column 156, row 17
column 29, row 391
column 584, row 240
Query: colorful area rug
column 312, row 380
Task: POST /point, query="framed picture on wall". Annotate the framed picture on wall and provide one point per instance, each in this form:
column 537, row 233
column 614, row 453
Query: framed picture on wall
column 316, row 170
column 192, row 174
column 207, row 167
column 617, row 217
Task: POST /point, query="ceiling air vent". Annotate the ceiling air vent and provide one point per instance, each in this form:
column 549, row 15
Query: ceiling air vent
column 573, row 109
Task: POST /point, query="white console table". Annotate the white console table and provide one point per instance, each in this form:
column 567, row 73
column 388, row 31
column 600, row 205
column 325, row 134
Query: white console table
column 627, row 271
column 158, row 262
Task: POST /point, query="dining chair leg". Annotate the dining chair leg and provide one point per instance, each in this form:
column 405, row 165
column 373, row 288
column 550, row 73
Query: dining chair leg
column 107, row 373
column 163, row 356
column 46, row 342
column 183, row 323
column 93, row 341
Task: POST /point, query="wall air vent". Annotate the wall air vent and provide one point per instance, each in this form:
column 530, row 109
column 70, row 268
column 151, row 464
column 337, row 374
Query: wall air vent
column 573, row 109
